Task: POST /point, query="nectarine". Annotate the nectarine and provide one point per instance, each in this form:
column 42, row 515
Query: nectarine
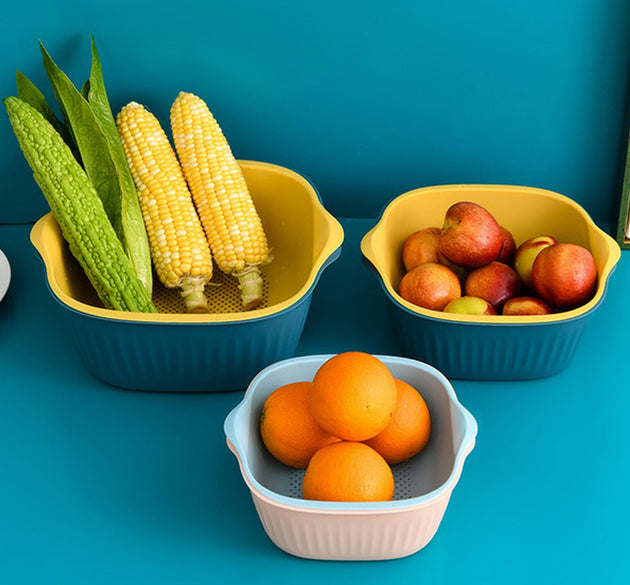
column 508, row 248
column 565, row 275
column 470, row 306
column 526, row 305
column 470, row 235
column 526, row 254
column 420, row 247
column 430, row 285
column 495, row 282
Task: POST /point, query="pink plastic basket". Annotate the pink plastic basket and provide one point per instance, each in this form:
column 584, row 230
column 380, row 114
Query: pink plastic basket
column 354, row 530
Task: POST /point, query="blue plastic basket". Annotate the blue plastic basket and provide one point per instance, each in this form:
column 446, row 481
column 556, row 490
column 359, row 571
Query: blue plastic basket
column 175, row 351
column 493, row 347
column 354, row 530
column 488, row 351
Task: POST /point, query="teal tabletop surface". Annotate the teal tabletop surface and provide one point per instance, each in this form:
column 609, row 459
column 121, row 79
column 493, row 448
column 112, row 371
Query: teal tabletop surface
column 101, row 485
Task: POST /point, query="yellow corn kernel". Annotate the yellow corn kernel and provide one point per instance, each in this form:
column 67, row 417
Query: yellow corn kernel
column 179, row 249
column 227, row 212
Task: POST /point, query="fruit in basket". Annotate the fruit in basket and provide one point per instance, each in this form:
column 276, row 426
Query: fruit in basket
column 497, row 271
column 227, row 212
column 353, row 396
column 420, row 247
column 460, row 271
column 409, row 430
column 526, row 254
column 379, row 421
column 467, row 305
column 288, row 428
column 430, row 285
column 495, row 282
column 565, row 275
column 470, row 235
column 526, row 305
column 348, row 471
column 508, row 247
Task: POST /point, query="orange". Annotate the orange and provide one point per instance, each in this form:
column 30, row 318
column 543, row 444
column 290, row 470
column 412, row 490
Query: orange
column 287, row 427
column 348, row 472
column 409, row 430
column 353, row 396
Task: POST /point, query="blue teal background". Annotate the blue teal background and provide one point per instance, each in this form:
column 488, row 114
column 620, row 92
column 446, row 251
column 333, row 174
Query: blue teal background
column 368, row 99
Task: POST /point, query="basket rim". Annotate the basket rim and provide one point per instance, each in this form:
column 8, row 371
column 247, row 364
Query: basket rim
column 370, row 257
column 462, row 450
column 329, row 253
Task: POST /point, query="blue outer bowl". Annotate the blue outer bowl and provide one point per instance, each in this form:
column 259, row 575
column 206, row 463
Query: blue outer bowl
column 490, row 351
column 144, row 355
column 487, row 351
column 220, row 351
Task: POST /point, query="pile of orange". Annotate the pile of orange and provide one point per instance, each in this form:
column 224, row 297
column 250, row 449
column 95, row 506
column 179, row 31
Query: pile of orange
column 347, row 426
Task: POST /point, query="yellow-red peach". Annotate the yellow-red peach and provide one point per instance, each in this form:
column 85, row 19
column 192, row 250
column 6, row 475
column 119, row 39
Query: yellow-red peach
column 526, row 305
column 470, row 306
column 420, row 247
column 526, row 254
column 430, row 285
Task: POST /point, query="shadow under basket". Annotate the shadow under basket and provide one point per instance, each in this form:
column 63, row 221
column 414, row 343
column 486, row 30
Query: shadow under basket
column 219, row 351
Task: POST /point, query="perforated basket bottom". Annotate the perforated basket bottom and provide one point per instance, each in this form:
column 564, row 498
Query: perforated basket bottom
column 403, row 482
column 222, row 293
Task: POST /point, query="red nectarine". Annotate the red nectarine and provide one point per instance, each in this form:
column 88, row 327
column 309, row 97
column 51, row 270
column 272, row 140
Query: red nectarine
column 470, row 236
column 508, row 247
column 495, row 282
column 565, row 275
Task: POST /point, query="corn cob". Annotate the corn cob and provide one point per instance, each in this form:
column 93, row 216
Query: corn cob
column 180, row 251
column 230, row 220
column 78, row 210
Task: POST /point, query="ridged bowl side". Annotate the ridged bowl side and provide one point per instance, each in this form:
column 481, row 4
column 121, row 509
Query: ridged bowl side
column 184, row 357
column 488, row 352
column 352, row 537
